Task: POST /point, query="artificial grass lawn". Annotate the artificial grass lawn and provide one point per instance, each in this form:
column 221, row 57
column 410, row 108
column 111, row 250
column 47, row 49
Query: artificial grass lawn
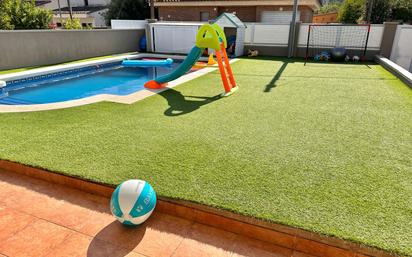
column 325, row 147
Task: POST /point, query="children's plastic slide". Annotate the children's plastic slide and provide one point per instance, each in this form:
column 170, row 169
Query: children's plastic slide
column 184, row 67
column 208, row 36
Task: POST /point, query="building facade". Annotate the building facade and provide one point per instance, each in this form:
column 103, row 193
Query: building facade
column 268, row 11
column 89, row 12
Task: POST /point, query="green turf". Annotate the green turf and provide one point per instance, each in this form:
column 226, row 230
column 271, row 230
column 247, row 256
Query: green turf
column 325, row 147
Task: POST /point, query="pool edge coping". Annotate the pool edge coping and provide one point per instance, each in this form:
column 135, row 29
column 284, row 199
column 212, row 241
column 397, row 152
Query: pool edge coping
column 126, row 99
column 292, row 238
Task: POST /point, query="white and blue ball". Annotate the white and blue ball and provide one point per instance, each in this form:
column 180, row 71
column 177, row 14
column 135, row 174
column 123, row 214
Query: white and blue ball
column 133, row 202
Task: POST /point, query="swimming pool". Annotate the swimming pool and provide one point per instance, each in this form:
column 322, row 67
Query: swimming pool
column 108, row 78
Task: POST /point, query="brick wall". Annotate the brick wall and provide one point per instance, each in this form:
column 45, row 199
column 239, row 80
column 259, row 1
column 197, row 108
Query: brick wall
column 245, row 13
column 184, row 13
column 325, row 18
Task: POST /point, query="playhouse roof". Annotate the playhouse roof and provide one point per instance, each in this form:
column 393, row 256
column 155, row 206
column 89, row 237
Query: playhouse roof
column 230, row 18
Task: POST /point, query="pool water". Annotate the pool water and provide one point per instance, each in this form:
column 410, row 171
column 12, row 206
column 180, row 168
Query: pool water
column 108, row 79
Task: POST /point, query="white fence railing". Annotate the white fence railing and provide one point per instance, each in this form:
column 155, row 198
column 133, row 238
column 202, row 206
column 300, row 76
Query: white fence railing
column 375, row 36
column 128, row 24
column 267, row 34
column 402, row 47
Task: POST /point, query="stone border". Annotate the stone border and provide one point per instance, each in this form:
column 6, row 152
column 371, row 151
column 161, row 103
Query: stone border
column 395, row 69
column 126, row 99
column 301, row 241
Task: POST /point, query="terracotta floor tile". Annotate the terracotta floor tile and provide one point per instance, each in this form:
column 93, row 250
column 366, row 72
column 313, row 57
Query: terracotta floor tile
column 30, row 200
column 99, row 248
column 254, row 248
column 133, row 254
column 159, row 236
column 32, row 188
column 120, row 235
column 79, row 245
column 96, row 223
column 163, row 235
column 12, row 222
column 5, row 190
column 79, row 218
column 75, row 245
column 206, row 241
column 11, row 179
column 34, row 239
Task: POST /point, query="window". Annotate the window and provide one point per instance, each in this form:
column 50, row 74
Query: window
column 204, row 16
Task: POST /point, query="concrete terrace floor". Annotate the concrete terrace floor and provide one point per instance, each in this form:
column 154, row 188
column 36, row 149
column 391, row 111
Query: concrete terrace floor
column 68, row 222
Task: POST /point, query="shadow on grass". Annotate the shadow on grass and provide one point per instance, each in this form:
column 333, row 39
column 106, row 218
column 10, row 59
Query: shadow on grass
column 285, row 61
column 180, row 105
column 366, row 64
column 272, row 83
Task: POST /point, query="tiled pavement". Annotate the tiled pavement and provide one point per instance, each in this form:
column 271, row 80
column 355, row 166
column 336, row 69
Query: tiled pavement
column 38, row 218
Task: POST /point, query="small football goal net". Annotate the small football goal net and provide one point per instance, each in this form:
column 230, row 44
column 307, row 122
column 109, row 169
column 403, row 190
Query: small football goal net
column 324, row 37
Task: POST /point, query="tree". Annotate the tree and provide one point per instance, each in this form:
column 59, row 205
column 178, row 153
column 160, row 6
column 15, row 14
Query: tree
column 401, row 10
column 5, row 19
column 128, row 10
column 21, row 14
column 398, row 10
column 351, row 11
column 330, row 7
column 381, row 9
column 72, row 24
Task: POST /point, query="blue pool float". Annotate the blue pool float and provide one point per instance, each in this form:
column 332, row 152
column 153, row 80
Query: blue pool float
column 147, row 63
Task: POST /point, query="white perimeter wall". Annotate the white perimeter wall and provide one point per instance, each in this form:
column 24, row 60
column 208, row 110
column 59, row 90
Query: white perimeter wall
column 173, row 38
column 402, row 47
column 374, row 43
column 267, row 34
column 128, row 24
column 278, row 35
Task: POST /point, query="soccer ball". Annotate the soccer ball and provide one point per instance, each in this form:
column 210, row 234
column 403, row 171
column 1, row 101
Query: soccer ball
column 133, row 201
column 324, row 56
column 355, row 58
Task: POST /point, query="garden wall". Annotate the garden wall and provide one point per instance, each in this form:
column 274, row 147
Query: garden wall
column 42, row 47
column 402, row 47
column 273, row 39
